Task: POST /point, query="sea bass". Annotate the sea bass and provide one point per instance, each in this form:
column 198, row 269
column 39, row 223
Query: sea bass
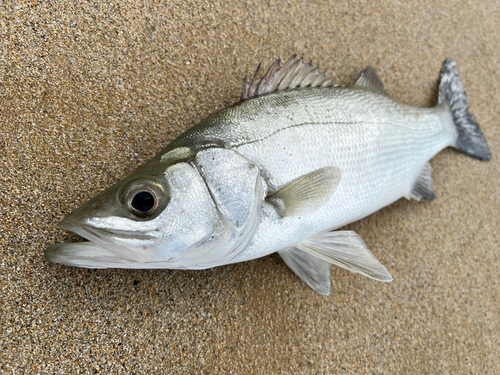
column 296, row 158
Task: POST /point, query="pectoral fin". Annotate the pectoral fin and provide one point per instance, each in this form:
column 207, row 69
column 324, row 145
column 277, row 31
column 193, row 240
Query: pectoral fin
column 314, row 271
column 347, row 250
column 307, row 193
column 423, row 188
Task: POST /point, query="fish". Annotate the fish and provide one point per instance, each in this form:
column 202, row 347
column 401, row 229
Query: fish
column 280, row 171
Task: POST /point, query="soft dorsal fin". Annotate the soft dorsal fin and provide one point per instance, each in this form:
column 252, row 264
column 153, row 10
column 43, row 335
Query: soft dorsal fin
column 294, row 73
column 308, row 193
column 347, row 250
column 313, row 271
column 423, row 188
column 370, row 80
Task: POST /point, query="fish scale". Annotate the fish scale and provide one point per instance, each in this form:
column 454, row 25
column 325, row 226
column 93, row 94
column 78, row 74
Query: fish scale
column 373, row 172
column 280, row 171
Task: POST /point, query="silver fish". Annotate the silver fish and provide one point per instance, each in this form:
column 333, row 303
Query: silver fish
column 296, row 158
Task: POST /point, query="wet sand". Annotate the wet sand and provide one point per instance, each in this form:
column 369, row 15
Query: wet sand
column 90, row 92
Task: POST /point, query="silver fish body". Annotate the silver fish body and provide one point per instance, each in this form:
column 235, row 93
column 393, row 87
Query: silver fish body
column 379, row 145
column 277, row 172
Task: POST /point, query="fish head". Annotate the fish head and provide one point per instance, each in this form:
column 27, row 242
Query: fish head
column 157, row 217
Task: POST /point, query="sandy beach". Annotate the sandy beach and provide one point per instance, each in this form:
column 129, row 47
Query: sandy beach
column 89, row 91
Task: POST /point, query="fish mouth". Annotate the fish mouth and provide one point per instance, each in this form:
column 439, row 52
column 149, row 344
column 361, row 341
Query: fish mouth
column 105, row 248
column 83, row 254
column 91, row 255
column 126, row 234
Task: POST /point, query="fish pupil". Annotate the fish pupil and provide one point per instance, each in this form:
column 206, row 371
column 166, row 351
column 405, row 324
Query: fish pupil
column 143, row 201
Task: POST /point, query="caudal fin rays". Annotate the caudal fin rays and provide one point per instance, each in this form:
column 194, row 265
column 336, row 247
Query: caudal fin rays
column 471, row 140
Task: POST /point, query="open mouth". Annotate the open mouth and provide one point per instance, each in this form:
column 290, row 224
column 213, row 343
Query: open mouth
column 126, row 234
column 103, row 250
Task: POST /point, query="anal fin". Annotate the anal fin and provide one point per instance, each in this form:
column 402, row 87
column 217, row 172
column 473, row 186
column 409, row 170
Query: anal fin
column 347, row 250
column 423, row 188
column 314, row 271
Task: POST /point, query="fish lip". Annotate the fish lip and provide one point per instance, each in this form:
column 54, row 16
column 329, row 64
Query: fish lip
column 103, row 238
column 86, row 229
column 129, row 234
column 87, row 255
column 57, row 253
column 90, row 255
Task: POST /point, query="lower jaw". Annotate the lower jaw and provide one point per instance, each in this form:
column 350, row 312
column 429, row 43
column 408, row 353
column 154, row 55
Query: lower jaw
column 90, row 255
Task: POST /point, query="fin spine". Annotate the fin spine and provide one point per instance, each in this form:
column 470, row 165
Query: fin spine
column 293, row 74
column 314, row 271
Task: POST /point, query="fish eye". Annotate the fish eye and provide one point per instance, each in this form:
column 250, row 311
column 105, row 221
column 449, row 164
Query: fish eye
column 144, row 199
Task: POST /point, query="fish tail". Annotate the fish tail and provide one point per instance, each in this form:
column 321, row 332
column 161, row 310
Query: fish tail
column 470, row 139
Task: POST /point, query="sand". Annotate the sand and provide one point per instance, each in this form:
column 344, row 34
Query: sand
column 89, row 92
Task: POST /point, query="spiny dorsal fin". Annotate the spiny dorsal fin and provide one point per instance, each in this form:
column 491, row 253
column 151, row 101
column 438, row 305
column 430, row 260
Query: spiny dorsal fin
column 423, row 188
column 370, row 80
column 294, row 73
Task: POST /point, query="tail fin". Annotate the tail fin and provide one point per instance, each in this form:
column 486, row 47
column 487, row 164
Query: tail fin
column 470, row 140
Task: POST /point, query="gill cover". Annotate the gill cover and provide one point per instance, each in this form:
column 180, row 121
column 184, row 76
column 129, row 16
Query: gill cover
column 236, row 188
